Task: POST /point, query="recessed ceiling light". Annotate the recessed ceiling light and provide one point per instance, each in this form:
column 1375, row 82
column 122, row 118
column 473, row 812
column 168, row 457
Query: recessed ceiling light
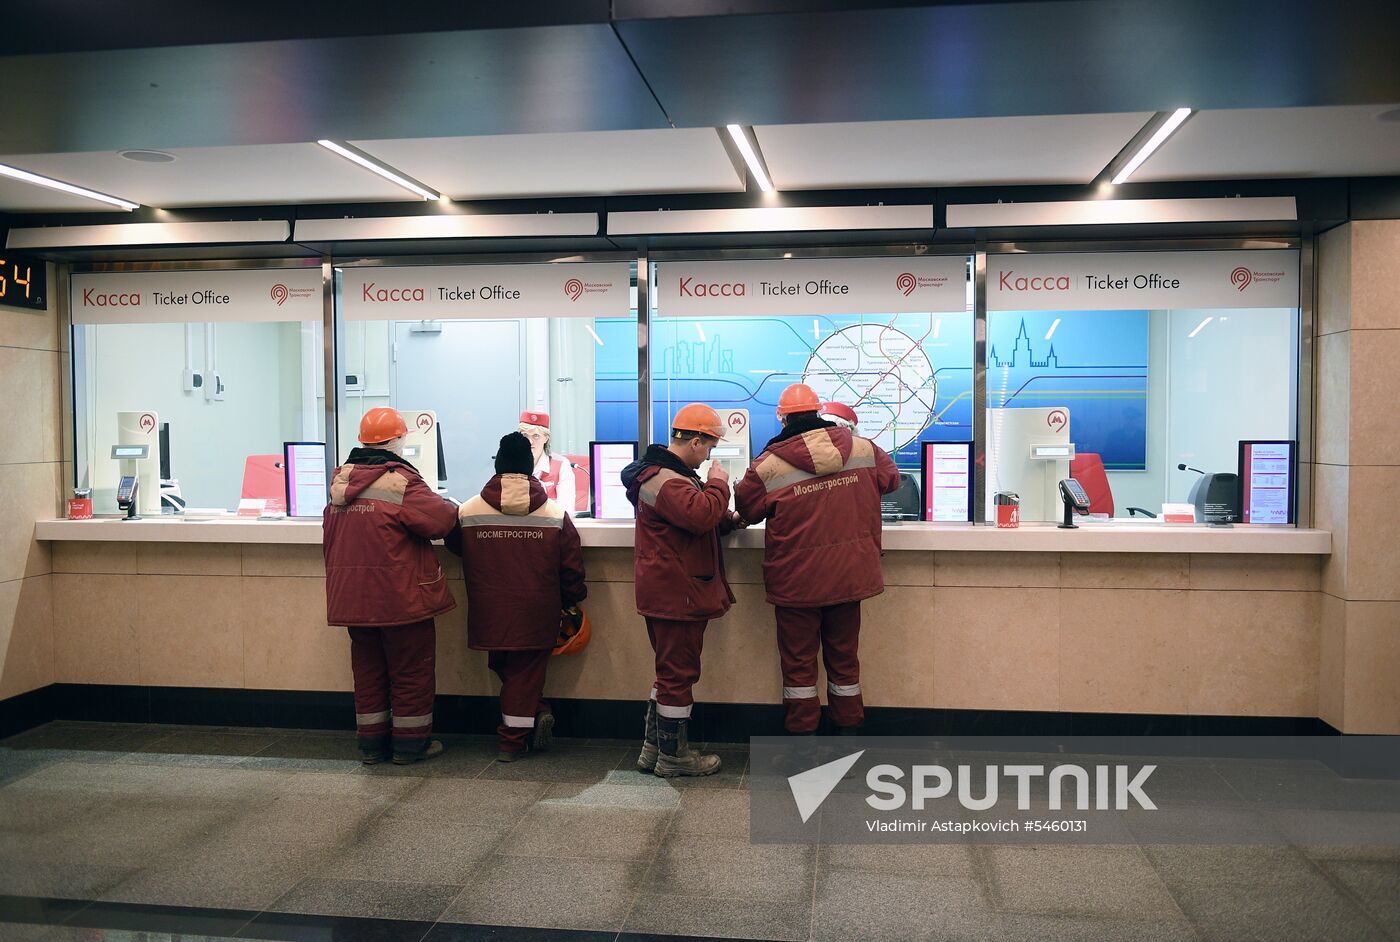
column 1392, row 116
column 147, row 156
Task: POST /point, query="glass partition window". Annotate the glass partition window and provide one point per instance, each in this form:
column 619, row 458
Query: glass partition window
column 1138, row 390
column 217, row 400
column 465, row 377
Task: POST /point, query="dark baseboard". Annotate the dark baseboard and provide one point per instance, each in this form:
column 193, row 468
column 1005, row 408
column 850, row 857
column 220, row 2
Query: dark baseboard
column 592, row 719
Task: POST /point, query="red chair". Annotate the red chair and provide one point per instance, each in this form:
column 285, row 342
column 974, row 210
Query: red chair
column 264, row 478
column 1087, row 468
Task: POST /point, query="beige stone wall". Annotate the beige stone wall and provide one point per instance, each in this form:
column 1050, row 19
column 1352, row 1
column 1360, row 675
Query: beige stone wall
column 1233, row 635
column 30, row 481
column 1357, row 474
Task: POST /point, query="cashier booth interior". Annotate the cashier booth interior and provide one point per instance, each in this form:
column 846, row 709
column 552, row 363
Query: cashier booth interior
column 1028, row 452
column 141, row 429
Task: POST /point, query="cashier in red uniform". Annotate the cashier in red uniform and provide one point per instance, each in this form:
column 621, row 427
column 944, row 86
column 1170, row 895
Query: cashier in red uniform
column 523, row 563
column 818, row 486
column 384, row 583
column 555, row 473
column 679, row 577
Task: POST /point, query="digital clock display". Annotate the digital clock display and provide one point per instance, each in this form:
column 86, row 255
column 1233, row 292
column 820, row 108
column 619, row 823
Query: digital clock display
column 23, row 282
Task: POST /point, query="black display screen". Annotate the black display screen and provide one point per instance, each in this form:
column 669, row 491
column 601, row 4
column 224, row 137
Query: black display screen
column 23, row 282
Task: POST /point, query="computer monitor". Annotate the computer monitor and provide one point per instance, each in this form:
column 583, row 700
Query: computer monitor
column 608, row 494
column 1267, row 481
column 947, row 476
column 903, row 502
column 305, row 464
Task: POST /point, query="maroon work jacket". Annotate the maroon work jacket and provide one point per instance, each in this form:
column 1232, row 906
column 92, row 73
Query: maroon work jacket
column 522, row 562
column 377, row 535
column 820, row 492
column 679, row 563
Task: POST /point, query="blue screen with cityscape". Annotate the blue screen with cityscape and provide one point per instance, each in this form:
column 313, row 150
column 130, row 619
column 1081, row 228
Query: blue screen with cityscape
column 1094, row 363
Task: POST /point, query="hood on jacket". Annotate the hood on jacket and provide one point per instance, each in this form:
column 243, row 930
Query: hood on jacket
column 514, row 494
column 363, row 469
column 656, row 456
column 798, row 424
column 818, row 449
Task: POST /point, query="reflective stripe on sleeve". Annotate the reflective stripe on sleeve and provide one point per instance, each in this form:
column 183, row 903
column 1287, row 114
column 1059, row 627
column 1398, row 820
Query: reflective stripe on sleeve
column 799, row 693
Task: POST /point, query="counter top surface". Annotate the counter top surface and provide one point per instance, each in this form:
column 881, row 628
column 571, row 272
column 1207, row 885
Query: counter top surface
column 1127, row 536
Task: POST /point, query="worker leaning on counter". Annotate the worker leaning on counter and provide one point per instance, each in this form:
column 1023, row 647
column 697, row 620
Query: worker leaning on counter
column 384, row 583
column 522, row 562
column 818, row 485
column 680, row 582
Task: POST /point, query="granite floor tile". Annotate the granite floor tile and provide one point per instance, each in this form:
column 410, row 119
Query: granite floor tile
column 85, row 737
column 1217, row 864
column 201, row 748
column 360, row 783
column 563, row 763
column 38, row 909
column 719, row 813
column 706, row 865
column 414, row 851
column 1015, row 927
column 514, row 891
column 1104, row 880
column 24, row 876
column 596, row 833
column 175, row 920
column 306, row 820
column 1297, row 910
column 369, row 898
column 220, row 874
column 684, row 917
column 943, row 859
column 875, row 907
column 458, row 760
column 476, row 801
column 1376, row 884
column 608, row 795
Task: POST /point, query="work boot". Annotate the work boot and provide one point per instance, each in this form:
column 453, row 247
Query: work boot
column 408, row 758
column 543, row 733
column 646, row 762
column 677, row 758
column 374, row 758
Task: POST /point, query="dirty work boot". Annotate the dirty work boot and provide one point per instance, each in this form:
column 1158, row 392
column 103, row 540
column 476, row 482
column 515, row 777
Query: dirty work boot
column 544, row 732
column 677, row 758
column 646, row 762
column 408, row 758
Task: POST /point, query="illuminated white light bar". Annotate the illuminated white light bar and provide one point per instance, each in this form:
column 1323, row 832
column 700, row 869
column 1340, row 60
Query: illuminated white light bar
column 1153, row 142
column 357, row 156
column 24, row 176
column 741, row 141
column 1123, row 212
column 770, row 219
column 150, row 233
column 493, row 226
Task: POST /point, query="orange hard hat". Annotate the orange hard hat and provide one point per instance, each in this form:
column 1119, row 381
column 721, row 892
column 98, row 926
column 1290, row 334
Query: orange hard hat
column 799, row 397
column 574, row 631
column 840, row 410
column 381, row 425
column 698, row 417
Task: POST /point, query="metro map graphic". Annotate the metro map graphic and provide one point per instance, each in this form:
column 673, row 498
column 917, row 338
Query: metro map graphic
column 908, row 376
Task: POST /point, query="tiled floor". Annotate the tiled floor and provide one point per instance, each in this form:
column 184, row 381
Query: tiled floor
column 284, row 835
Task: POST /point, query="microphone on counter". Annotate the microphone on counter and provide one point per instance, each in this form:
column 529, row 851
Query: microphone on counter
column 1182, row 467
column 578, row 467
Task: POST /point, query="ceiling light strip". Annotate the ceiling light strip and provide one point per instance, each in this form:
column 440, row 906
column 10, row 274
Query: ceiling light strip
column 749, row 150
column 357, row 156
column 1167, row 129
column 24, row 176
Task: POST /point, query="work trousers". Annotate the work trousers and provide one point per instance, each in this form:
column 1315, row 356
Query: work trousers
column 394, row 686
column 677, row 645
column 522, row 684
column 836, row 630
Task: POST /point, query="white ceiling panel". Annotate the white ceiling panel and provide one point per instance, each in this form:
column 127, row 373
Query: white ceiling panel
column 954, row 152
column 690, row 160
column 213, row 176
column 1279, row 142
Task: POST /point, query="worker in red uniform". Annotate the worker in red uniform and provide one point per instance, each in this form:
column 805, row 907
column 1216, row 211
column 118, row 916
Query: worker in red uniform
column 555, row 473
column 523, row 563
column 819, row 488
column 680, row 581
column 383, row 582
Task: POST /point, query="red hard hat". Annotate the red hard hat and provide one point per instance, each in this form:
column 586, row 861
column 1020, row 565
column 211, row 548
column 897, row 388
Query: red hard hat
column 574, row 631
column 841, row 411
column 799, row 397
column 381, row 425
column 698, row 417
column 535, row 418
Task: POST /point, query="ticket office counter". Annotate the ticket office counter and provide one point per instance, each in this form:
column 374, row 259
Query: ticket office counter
column 1111, row 619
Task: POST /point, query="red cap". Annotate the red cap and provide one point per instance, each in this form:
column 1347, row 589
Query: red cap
column 841, row 411
column 535, row 418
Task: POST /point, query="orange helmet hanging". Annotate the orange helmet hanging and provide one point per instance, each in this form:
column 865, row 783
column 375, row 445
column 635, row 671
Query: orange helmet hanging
column 698, row 417
column 799, row 397
column 574, row 631
column 381, row 425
